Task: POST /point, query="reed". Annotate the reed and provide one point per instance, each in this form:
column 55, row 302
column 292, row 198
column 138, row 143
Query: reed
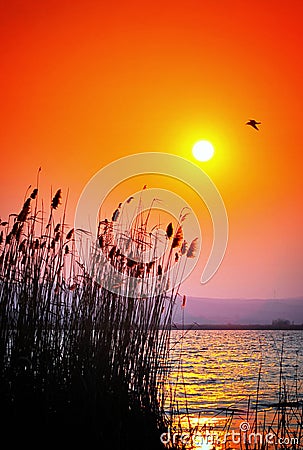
column 79, row 364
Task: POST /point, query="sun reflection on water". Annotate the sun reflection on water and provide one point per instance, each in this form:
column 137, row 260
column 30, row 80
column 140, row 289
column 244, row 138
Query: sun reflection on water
column 216, row 390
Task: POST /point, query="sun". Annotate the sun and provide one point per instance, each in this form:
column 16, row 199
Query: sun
column 203, row 150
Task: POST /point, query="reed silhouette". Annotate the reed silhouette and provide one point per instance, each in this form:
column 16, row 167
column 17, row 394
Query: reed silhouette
column 79, row 364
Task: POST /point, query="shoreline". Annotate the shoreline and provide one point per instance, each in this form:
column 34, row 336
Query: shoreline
column 252, row 327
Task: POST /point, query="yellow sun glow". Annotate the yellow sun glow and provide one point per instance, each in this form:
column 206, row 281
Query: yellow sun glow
column 203, row 150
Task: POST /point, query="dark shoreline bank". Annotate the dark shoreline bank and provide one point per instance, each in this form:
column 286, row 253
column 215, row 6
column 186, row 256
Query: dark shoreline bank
column 229, row 326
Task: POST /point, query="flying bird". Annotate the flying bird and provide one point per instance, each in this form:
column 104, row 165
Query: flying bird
column 253, row 123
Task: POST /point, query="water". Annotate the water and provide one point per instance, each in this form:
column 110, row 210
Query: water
column 220, row 369
column 228, row 388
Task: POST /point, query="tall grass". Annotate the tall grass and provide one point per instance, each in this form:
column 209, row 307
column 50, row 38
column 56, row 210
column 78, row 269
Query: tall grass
column 80, row 364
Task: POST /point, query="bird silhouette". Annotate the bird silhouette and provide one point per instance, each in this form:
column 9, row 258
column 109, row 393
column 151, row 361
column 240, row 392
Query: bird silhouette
column 253, row 123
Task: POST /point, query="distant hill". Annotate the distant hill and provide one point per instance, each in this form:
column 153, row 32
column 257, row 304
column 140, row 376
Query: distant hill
column 241, row 311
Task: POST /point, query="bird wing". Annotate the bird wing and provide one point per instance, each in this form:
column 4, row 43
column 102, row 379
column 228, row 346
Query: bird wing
column 254, row 126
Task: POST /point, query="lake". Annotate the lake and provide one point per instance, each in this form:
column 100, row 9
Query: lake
column 221, row 372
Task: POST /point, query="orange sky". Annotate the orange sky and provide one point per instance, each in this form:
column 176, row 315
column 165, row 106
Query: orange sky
column 85, row 82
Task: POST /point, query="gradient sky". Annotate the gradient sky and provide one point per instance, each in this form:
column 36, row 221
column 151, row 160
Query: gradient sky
column 85, row 82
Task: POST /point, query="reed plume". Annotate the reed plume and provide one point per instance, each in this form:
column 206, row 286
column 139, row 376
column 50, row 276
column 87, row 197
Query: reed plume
column 25, row 211
column 191, row 252
column 34, row 194
column 56, row 201
column 70, row 234
column 169, row 230
column 115, row 215
column 178, row 238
